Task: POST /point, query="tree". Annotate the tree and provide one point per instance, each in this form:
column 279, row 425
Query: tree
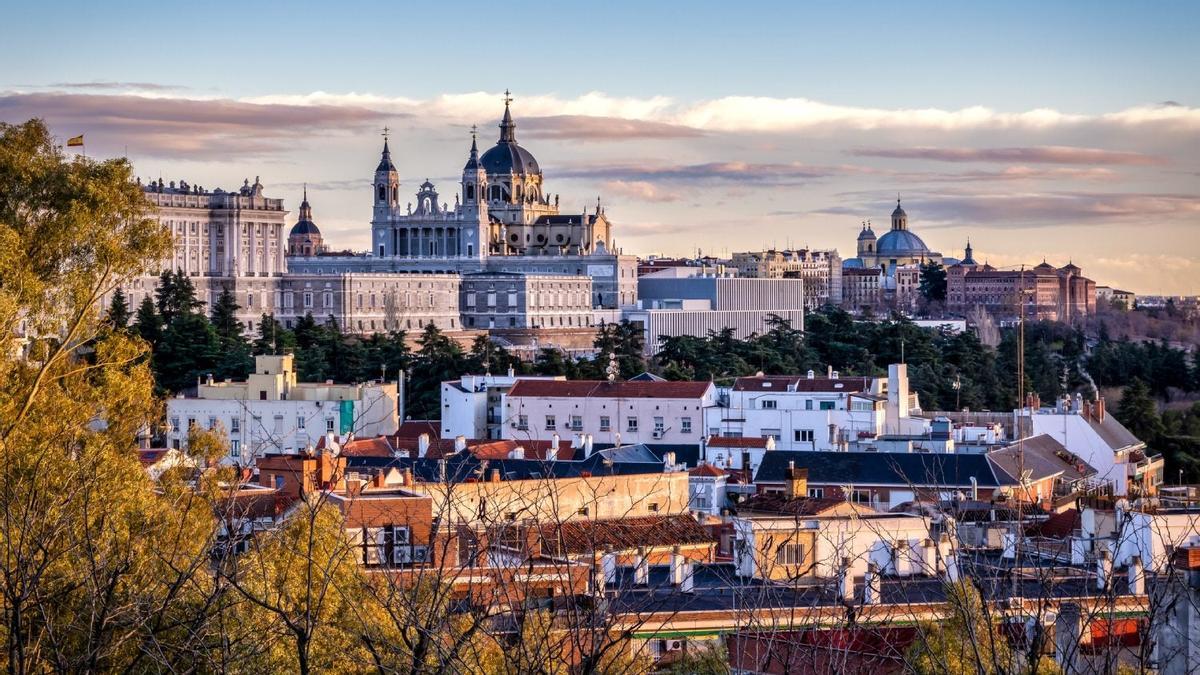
column 148, row 325
column 235, row 361
column 118, row 311
column 966, row 644
column 1139, row 413
column 932, row 285
column 97, row 570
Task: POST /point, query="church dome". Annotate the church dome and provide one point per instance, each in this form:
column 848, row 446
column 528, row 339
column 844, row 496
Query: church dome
column 866, row 234
column 901, row 243
column 507, row 156
column 899, row 211
column 304, row 227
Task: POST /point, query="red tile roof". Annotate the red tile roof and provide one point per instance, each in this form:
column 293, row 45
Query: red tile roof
column 1058, row 526
column 707, row 470
column 776, row 503
column 731, row 442
column 368, row 447
column 603, row 389
column 785, row 383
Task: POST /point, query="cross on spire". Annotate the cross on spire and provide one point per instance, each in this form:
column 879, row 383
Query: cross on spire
column 386, row 131
column 507, row 98
column 474, row 129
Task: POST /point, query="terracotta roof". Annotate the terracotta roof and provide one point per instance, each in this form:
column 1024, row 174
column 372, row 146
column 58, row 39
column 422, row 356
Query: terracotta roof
column 150, row 457
column 414, row 428
column 603, row 389
column 368, row 447
column 707, row 470
column 534, row 449
column 731, row 442
column 588, row 536
column 799, row 506
column 1058, row 526
column 785, row 383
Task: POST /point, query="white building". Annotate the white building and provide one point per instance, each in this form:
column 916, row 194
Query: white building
column 1086, row 430
column 272, row 413
column 654, row 413
column 707, row 490
column 472, row 406
column 807, row 412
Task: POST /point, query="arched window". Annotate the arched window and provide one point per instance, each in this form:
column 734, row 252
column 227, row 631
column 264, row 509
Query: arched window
column 470, row 191
column 382, row 193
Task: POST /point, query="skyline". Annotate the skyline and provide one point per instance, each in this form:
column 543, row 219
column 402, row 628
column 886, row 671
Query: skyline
column 1092, row 158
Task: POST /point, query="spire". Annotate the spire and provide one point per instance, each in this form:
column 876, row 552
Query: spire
column 508, row 128
column 385, row 160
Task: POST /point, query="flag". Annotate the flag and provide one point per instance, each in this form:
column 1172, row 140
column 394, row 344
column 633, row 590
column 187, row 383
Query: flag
column 74, row 141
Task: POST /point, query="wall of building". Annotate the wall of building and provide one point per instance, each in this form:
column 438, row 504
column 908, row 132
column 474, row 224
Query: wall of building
column 681, row 419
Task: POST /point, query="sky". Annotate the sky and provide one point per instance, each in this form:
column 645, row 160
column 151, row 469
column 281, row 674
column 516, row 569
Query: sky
column 1065, row 131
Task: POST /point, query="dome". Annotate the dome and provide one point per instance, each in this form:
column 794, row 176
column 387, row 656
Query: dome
column 899, row 211
column 507, row 156
column 901, row 243
column 305, row 227
column 866, row 234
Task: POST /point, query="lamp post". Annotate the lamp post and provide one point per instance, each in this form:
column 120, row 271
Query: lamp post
column 957, row 393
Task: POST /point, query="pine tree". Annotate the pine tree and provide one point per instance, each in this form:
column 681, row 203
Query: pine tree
column 235, row 360
column 932, row 285
column 1139, row 413
column 118, row 311
column 148, row 325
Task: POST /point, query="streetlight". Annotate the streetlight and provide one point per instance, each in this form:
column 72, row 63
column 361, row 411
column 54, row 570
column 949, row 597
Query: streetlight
column 957, row 392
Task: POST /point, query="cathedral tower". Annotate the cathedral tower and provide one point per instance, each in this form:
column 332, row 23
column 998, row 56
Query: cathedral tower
column 387, row 198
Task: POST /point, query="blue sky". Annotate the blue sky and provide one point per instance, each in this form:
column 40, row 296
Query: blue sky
column 1035, row 128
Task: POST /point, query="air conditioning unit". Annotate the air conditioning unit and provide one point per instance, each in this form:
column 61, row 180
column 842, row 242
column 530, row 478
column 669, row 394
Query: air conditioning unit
column 658, row 434
column 672, row 645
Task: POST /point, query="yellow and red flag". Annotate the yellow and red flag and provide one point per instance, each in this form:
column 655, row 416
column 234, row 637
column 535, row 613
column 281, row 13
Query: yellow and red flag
column 75, row 141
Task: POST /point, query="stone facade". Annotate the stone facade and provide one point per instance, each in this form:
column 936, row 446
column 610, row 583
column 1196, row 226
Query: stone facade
column 1046, row 292
column 820, row 269
column 514, row 300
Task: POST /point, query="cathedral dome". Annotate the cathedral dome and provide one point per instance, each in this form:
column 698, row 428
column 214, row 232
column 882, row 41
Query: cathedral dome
column 305, row 227
column 507, row 156
column 901, row 243
column 866, row 234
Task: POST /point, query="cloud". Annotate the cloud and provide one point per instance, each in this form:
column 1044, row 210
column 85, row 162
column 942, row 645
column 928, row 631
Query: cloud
column 709, row 172
column 118, row 86
column 1013, row 173
column 638, row 190
column 1047, row 154
column 328, row 185
column 1054, row 208
column 196, row 128
column 588, row 128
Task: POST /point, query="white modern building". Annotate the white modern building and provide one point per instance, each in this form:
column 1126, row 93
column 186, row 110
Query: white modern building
column 272, row 413
column 472, row 406
column 686, row 301
column 650, row 412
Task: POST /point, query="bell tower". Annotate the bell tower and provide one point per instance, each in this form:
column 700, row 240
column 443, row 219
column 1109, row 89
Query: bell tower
column 474, row 241
column 386, row 190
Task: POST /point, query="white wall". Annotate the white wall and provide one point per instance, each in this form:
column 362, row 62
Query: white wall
column 618, row 411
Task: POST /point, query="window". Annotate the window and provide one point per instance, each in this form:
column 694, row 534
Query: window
column 605, row 423
column 816, row 493
column 300, row 422
column 631, row 424
column 308, row 300
column 212, row 423
column 652, row 507
column 769, row 404
column 278, row 482
column 582, row 511
column 174, row 424
column 262, row 394
column 658, row 425
column 827, row 405
column 685, row 425
column 860, row 496
column 551, row 423
column 576, row 423
column 700, row 503
column 329, row 424
column 235, row 448
column 191, row 423
column 523, row 422
column 770, row 433
column 235, row 425
column 808, row 404
column 789, row 554
column 803, row 435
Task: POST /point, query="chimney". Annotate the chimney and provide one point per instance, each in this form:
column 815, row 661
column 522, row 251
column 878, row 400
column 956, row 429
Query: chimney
column 641, row 568
column 460, row 443
column 423, row 445
column 494, row 476
column 1103, row 569
column 442, row 470
column 517, row 453
column 677, row 566
column 354, row 487
column 408, row 477
column 554, row 440
column 872, row 585
column 669, row 461
column 1100, row 409
column 902, row 558
column 829, row 371
column 588, row 443
column 929, row 557
column 846, row 582
column 797, row 481
column 379, row 480
column 552, row 453
column 609, row 564
column 1137, row 576
column 746, row 462
column 770, row 443
column 1068, row 631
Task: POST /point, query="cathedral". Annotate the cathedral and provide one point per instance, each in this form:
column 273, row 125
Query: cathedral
column 501, row 209
column 899, row 247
